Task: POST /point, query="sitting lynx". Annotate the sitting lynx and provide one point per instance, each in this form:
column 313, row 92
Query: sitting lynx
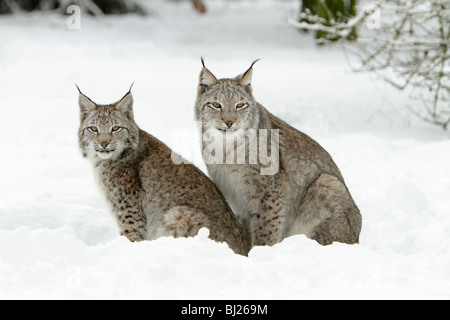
column 149, row 194
column 304, row 194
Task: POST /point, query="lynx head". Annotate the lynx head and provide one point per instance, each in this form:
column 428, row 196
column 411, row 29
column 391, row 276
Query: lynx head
column 107, row 130
column 226, row 105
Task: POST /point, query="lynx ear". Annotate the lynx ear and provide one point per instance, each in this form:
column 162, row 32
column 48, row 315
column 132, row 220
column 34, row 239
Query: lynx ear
column 125, row 105
column 86, row 104
column 245, row 79
column 206, row 79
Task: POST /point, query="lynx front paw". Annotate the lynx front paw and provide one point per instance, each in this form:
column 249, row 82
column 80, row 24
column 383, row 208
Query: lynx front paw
column 132, row 235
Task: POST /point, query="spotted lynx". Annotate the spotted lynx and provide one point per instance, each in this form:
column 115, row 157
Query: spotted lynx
column 305, row 195
column 149, row 194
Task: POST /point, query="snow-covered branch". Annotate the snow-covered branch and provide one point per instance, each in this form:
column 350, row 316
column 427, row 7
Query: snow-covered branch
column 336, row 29
column 411, row 50
column 408, row 49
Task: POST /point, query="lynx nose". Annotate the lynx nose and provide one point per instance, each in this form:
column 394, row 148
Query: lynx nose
column 229, row 123
column 104, row 144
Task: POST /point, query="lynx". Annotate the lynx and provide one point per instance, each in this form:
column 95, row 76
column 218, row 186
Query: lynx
column 305, row 195
column 150, row 195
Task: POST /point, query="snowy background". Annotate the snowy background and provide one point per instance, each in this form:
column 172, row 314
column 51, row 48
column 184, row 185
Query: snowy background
column 57, row 238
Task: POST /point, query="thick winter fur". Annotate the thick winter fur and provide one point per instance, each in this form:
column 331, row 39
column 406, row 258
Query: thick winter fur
column 307, row 195
column 150, row 195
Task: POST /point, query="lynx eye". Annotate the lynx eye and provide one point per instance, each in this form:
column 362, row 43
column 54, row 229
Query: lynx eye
column 93, row 129
column 241, row 105
column 214, row 105
column 116, row 129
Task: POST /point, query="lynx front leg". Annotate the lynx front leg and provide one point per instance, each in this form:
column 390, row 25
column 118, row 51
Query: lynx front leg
column 328, row 213
column 267, row 223
column 121, row 187
column 131, row 220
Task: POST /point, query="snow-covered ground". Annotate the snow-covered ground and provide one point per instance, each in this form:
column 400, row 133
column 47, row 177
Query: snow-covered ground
column 57, row 238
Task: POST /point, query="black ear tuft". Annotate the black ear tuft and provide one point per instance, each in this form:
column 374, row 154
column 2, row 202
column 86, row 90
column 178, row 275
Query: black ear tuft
column 129, row 91
column 246, row 78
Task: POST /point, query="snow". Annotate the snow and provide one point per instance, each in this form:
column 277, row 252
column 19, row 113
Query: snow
column 57, row 238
